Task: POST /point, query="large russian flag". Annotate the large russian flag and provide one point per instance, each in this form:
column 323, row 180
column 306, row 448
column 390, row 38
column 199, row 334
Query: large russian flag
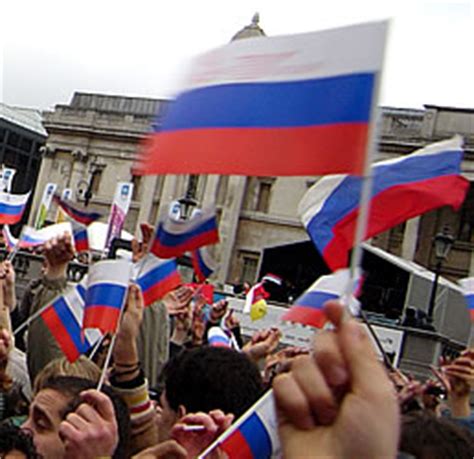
column 308, row 308
column 12, row 207
column 174, row 237
column 64, row 319
column 402, row 188
column 83, row 216
column 467, row 285
column 105, row 296
column 254, row 435
column 203, row 263
column 157, row 277
column 288, row 105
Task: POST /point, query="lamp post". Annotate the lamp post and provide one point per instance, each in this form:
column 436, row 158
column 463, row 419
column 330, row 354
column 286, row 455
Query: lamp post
column 188, row 202
column 442, row 242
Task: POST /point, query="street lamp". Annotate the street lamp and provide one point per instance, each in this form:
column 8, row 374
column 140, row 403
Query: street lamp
column 442, row 242
column 188, row 202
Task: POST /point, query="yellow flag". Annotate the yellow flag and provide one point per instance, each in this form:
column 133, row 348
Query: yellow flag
column 258, row 310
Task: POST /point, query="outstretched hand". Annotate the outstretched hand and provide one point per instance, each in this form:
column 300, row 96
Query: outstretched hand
column 339, row 402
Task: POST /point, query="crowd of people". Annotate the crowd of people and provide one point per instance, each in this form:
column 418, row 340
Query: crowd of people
column 169, row 394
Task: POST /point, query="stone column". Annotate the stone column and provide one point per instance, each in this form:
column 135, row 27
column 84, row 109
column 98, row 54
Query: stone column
column 410, row 238
column 229, row 224
column 169, row 192
column 471, row 266
column 210, row 192
column 146, row 200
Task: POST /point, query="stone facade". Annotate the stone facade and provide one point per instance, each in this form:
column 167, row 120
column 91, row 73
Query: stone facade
column 103, row 132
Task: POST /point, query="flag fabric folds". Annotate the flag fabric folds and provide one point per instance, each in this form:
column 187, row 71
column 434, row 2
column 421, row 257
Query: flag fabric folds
column 64, row 320
column 308, row 308
column 156, row 277
column 174, row 237
column 81, row 239
column 9, row 239
column 31, row 237
column 82, row 216
column 402, row 189
column 106, row 293
column 288, row 105
column 12, row 207
column 467, row 285
column 254, row 435
column 203, row 263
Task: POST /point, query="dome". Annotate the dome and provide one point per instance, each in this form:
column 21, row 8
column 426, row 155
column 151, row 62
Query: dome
column 250, row 31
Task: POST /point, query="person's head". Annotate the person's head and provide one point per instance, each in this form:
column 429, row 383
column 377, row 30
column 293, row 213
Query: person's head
column 205, row 379
column 60, row 396
column 427, row 437
column 81, row 368
column 16, row 443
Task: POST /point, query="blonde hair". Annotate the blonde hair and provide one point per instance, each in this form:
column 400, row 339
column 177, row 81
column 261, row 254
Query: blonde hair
column 82, row 368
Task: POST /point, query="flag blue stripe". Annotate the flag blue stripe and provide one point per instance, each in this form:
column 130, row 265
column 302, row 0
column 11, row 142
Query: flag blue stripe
column 105, row 294
column 171, row 240
column 257, row 437
column 156, row 275
column 315, row 299
column 216, row 339
column 470, row 301
column 311, row 102
column 345, row 197
column 70, row 324
column 9, row 209
column 205, row 270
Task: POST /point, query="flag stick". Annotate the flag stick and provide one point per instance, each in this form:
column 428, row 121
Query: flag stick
column 107, row 358
column 33, row 317
column 96, row 347
column 16, row 249
column 237, row 424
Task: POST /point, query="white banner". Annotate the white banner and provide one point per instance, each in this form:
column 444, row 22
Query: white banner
column 118, row 211
column 6, row 179
column 48, row 194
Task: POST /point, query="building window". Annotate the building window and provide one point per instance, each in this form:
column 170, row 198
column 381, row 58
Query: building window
column 249, row 267
column 96, row 176
column 263, row 196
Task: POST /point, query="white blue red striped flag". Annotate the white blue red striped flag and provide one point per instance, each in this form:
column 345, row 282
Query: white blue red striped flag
column 288, row 105
column 253, row 436
column 107, row 286
column 64, row 320
column 402, row 188
column 174, row 237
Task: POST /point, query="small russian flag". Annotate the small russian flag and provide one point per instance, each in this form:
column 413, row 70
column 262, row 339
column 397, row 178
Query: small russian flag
column 81, row 239
column 64, row 318
column 218, row 338
column 12, row 207
column 308, row 308
column 174, row 237
column 105, row 296
column 157, row 277
column 203, row 263
column 467, row 285
column 253, row 436
column 79, row 215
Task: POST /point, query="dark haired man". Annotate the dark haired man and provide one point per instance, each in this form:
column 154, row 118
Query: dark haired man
column 69, row 418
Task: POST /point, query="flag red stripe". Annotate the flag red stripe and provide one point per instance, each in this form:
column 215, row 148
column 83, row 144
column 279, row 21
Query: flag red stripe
column 306, row 316
column 334, row 148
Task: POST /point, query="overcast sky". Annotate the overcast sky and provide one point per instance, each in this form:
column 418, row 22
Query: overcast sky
column 52, row 48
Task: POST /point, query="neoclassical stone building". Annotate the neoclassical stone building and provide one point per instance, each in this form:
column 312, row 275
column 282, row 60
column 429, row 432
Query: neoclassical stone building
column 94, row 139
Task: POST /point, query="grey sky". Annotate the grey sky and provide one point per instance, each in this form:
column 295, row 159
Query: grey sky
column 52, row 48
